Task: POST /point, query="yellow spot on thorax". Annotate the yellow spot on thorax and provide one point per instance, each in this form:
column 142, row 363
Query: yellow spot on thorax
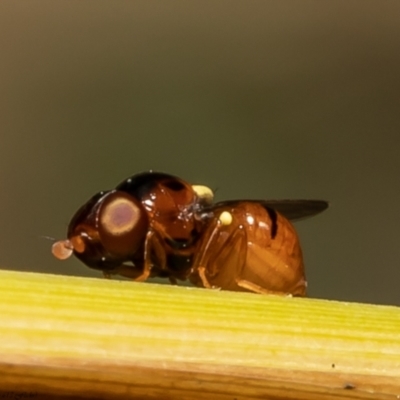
column 226, row 218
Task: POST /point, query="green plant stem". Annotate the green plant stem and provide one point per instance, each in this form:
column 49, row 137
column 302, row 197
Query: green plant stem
column 98, row 338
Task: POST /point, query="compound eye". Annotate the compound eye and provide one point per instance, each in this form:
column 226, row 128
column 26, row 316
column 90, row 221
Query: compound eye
column 119, row 216
column 122, row 223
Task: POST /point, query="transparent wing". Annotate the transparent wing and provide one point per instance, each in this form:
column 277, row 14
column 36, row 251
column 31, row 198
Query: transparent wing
column 291, row 209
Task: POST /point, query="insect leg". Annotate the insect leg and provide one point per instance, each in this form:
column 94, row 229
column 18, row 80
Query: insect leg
column 172, row 280
column 203, row 256
column 152, row 247
column 221, row 256
column 202, row 274
column 252, row 287
column 141, row 269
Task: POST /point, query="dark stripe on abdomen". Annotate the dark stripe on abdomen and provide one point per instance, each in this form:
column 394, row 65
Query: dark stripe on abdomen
column 273, row 217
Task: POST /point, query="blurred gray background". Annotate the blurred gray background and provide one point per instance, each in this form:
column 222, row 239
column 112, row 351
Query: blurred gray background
column 260, row 99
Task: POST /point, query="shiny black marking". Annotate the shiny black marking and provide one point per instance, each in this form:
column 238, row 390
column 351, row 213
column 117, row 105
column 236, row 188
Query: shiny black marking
column 273, row 216
column 141, row 185
column 178, row 243
column 84, row 211
column 178, row 263
column 174, row 185
column 93, row 258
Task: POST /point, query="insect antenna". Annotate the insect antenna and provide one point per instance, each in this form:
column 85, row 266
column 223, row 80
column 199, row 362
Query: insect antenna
column 52, row 239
